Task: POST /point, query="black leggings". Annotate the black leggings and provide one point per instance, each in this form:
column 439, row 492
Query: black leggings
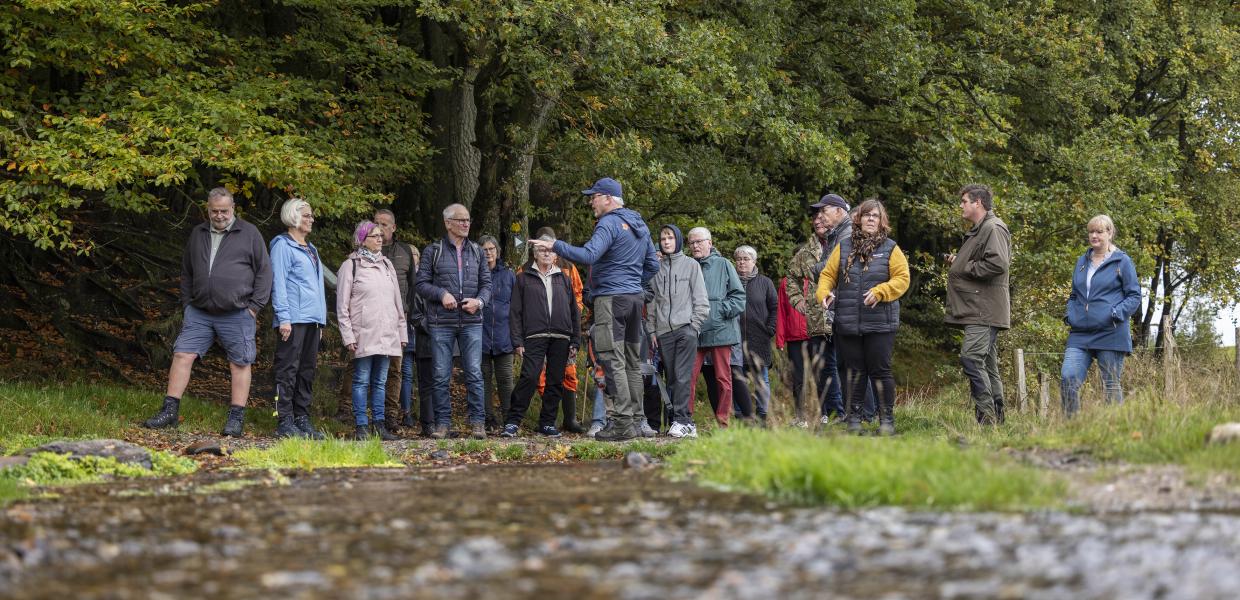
column 740, row 392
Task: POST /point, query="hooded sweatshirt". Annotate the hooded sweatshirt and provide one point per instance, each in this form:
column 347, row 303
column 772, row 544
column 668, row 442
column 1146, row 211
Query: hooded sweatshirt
column 622, row 256
column 679, row 292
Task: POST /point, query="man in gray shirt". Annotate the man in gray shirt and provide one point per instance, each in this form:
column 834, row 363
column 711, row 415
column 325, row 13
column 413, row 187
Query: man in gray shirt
column 225, row 281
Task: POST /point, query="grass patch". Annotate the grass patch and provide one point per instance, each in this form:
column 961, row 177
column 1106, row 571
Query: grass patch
column 36, row 414
column 48, row 468
column 509, row 452
column 1143, row 430
column 470, row 446
column 593, row 450
column 310, row 454
column 854, row 472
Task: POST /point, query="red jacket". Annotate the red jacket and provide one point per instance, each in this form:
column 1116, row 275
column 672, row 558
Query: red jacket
column 789, row 322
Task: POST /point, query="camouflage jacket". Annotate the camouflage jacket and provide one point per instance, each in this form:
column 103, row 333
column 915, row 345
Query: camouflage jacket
column 803, row 272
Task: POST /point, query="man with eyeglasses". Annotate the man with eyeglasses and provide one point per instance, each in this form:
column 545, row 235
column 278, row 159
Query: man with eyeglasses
column 722, row 328
column 454, row 280
column 623, row 259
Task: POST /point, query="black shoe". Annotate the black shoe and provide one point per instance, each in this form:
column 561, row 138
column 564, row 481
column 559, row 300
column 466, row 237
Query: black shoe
column 407, row 421
column 235, row 423
column 427, row 430
column 361, row 434
column 886, row 428
column 618, row 433
column 854, row 426
column 549, row 431
column 286, row 429
column 380, row 431
column 510, row 431
column 168, row 415
column 302, row 423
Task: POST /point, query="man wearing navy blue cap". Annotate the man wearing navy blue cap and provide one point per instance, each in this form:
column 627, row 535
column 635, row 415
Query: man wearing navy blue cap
column 623, row 259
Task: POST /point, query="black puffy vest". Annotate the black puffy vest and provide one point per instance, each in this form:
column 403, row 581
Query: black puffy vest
column 852, row 316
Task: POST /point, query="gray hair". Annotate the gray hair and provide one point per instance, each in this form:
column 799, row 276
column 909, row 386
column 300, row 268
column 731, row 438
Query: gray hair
column 384, row 211
column 701, row 231
column 218, row 193
column 483, row 239
column 747, row 251
column 451, row 208
column 290, row 213
column 618, row 200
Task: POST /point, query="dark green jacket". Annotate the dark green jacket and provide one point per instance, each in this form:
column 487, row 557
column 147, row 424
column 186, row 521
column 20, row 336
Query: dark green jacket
column 977, row 283
column 727, row 302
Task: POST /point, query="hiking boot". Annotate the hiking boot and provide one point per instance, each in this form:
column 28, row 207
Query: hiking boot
column 618, row 433
column 886, row 428
column 440, row 433
column 593, row 430
column 406, row 421
column 360, row 434
column 427, row 430
column 168, row 415
column 646, row 430
column 478, row 431
column 235, row 423
column 854, row 426
column 510, row 431
column 549, row 431
column 302, row 422
column 286, row 429
column 380, row 431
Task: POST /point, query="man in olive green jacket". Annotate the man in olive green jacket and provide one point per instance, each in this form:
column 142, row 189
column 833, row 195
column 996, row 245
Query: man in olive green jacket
column 978, row 299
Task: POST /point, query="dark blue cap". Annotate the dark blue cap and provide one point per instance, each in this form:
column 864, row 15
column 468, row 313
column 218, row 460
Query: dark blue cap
column 607, row 186
column 830, row 200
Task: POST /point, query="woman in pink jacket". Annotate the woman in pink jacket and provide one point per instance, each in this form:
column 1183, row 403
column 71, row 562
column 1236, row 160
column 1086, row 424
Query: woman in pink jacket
column 372, row 324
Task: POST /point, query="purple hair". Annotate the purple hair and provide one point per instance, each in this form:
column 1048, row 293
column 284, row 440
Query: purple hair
column 363, row 229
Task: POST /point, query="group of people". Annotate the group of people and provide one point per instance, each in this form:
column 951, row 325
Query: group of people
column 657, row 318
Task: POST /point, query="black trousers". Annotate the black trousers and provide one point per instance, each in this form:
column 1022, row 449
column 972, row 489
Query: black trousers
column 867, row 360
column 294, row 368
column 540, row 350
column 426, row 394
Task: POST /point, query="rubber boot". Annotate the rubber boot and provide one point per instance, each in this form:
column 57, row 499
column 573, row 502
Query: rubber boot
column 168, row 415
column 569, row 406
column 233, row 426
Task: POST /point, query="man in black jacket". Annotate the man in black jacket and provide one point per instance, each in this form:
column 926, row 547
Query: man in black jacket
column 225, row 281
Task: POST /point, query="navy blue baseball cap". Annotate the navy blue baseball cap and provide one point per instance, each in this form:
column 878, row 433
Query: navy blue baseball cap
column 607, row 186
column 830, row 200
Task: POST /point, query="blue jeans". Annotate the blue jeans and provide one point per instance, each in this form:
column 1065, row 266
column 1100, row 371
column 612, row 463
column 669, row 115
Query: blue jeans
column 369, row 372
column 469, row 338
column 406, row 381
column 1076, row 363
column 599, row 417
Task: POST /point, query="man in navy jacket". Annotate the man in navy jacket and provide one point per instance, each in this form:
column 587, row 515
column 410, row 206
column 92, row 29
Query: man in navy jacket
column 623, row 259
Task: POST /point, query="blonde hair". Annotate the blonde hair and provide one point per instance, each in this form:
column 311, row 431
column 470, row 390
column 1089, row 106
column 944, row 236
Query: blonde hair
column 290, row 213
column 1100, row 221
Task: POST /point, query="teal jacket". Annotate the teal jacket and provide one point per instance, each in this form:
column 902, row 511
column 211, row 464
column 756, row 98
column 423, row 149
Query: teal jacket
column 727, row 302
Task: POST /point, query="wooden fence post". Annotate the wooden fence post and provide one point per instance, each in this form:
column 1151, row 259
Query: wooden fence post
column 1020, row 378
column 1169, row 361
column 1044, row 394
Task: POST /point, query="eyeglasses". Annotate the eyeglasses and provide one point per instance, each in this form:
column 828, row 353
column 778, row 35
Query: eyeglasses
column 696, row 242
column 460, row 221
column 375, row 235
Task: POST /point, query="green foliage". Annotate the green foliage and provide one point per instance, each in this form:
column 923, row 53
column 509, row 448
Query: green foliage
column 48, row 468
column 854, row 472
column 308, row 455
column 509, row 452
column 592, row 450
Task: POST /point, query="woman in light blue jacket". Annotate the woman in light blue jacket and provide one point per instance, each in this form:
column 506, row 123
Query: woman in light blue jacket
column 1105, row 295
column 300, row 304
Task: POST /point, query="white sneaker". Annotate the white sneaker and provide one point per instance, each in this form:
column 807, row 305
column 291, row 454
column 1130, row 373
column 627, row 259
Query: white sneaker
column 647, row 430
column 800, row 424
column 678, row 430
column 692, row 430
column 826, row 420
column 594, row 429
